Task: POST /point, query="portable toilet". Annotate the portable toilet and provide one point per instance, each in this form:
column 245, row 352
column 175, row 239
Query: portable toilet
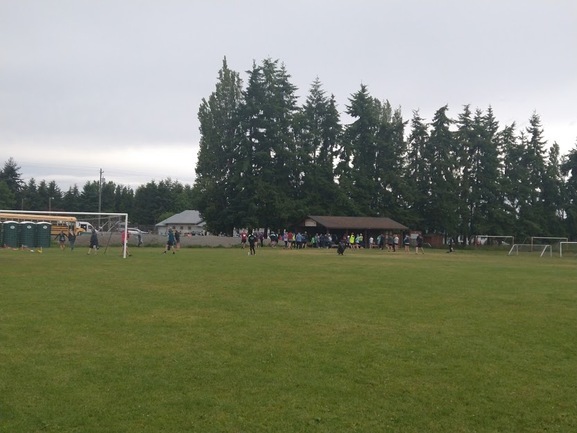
column 10, row 234
column 43, row 234
column 27, row 235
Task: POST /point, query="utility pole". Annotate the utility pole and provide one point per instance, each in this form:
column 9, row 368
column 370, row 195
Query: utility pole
column 100, row 180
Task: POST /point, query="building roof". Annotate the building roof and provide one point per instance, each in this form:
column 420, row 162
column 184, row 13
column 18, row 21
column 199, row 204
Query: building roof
column 188, row 217
column 357, row 223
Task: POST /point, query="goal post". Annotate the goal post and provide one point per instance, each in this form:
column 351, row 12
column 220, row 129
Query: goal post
column 553, row 241
column 80, row 222
column 564, row 244
column 529, row 248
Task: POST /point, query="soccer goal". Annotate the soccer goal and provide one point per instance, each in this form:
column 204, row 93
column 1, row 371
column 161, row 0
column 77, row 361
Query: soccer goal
column 553, row 241
column 530, row 248
column 27, row 229
column 568, row 248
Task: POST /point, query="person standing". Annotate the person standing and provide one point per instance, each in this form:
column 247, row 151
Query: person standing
column 170, row 242
column 243, row 239
column 93, row 242
column 177, row 239
column 251, row 243
column 407, row 243
column 451, row 244
column 71, row 239
column 381, row 241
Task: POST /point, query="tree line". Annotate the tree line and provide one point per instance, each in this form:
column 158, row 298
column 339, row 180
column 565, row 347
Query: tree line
column 266, row 161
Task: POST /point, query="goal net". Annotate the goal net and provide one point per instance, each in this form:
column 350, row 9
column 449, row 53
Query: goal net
column 530, row 248
column 554, row 241
column 567, row 249
column 37, row 229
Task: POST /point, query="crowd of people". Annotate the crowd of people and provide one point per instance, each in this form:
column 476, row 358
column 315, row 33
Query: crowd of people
column 299, row 240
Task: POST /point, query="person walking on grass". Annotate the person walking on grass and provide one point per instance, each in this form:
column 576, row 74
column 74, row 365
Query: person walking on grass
column 61, row 239
column 93, row 242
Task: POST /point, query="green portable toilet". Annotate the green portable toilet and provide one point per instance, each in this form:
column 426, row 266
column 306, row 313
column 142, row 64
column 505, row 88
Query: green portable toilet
column 43, row 234
column 10, row 234
column 27, row 234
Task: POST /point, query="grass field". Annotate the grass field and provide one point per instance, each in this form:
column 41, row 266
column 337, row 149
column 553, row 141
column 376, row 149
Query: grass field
column 212, row 340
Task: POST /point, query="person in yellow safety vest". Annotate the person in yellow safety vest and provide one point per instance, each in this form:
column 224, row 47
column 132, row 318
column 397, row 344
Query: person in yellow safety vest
column 352, row 240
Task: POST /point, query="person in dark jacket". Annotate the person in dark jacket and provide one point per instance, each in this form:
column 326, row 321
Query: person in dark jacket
column 93, row 242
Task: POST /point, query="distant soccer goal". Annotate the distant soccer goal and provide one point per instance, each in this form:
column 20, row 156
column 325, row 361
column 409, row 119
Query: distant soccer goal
column 567, row 248
column 530, row 248
column 553, row 241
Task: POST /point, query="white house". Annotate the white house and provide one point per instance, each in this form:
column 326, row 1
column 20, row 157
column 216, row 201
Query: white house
column 187, row 222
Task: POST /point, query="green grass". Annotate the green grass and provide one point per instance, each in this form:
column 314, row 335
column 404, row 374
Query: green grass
column 212, row 340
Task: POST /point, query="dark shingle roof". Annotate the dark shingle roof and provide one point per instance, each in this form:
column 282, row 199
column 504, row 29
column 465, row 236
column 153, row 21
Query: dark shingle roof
column 357, row 223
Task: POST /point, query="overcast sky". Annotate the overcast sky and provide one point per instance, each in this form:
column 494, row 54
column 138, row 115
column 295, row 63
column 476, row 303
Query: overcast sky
column 116, row 84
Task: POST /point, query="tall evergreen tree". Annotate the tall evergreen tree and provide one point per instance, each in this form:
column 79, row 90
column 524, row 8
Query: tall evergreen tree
column 11, row 175
column 514, row 187
column 440, row 154
column 389, row 178
column 214, row 185
column 532, row 164
column 467, row 159
column 552, row 195
column 488, row 172
column 357, row 166
column 418, row 173
column 266, row 173
column 318, row 131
